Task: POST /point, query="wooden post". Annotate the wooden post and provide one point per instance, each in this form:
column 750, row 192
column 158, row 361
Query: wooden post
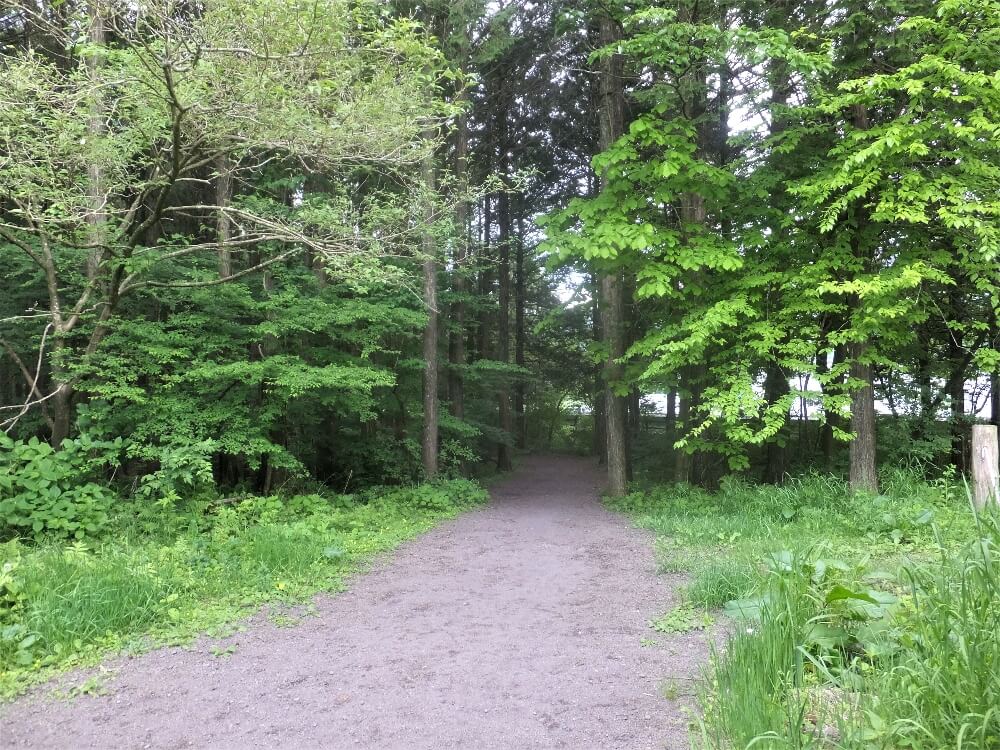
column 985, row 472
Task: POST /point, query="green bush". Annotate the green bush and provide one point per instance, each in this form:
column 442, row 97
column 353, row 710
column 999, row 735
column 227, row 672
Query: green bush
column 44, row 491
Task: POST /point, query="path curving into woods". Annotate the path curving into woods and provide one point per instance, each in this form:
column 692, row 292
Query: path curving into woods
column 518, row 625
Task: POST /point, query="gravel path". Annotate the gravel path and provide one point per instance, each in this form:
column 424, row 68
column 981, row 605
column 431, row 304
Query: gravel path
column 520, row 625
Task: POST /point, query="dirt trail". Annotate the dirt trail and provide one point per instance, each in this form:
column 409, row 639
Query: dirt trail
column 520, row 625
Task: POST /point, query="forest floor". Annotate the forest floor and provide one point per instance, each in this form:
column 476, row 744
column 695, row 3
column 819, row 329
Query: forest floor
column 523, row 624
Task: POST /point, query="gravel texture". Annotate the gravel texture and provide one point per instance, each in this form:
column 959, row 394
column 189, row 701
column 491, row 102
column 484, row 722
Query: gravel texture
column 519, row 625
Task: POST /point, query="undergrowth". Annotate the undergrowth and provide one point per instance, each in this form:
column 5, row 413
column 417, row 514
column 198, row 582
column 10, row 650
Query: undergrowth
column 856, row 621
column 144, row 584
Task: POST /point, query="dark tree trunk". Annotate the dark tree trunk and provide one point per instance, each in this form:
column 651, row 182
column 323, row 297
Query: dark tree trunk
column 429, row 443
column 504, row 462
column 456, row 341
column 775, row 389
column 600, row 428
column 519, row 336
column 483, row 347
column 612, row 116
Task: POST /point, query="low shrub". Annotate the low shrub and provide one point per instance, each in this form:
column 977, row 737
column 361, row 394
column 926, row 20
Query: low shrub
column 59, row 493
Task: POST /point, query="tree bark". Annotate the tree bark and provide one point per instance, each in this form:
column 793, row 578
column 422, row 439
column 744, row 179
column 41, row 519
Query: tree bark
column 600, row 430
column 863, row 474
column 483, row 347
column 456, row 341
column 520, row 416
column 429, row 444
column 504, row 462
column 612, row 123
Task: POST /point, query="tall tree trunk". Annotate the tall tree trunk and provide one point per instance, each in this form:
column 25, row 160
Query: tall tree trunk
column 519, row 334
column 430, row 385
column 612, row 123
column 600, row 428
column 456, row 341
column 776, row 388
column 504, row 462
column 863, row 472
column 483, row 348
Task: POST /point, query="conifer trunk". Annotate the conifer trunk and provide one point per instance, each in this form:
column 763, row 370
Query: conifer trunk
column 429, row 446
column 519, row 335
column 456, row 342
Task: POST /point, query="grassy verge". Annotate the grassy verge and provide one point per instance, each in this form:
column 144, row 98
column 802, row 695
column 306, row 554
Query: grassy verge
column 165, row 577
column 858, row 621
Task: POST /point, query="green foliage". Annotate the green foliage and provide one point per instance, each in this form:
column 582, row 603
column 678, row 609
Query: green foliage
column 859, row 621
column 62, row 492
column 184, row 473
column 681, row 619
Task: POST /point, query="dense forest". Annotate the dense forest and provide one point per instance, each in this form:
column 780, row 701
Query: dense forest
column 302, row 241
column 259, row 250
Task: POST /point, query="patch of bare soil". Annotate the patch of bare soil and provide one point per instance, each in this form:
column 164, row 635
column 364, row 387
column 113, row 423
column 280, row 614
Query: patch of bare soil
column 520, row 625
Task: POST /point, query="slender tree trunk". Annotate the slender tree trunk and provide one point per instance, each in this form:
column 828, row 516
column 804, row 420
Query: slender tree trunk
column 612, row 117
column 519, row 335
column 600, row 429
column 504, row 462
column 483, row 347
column 456, row 341
column 430, row 385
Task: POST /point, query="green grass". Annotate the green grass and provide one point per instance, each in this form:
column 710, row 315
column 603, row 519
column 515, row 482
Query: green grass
column 166, row 576
column 857, row 621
